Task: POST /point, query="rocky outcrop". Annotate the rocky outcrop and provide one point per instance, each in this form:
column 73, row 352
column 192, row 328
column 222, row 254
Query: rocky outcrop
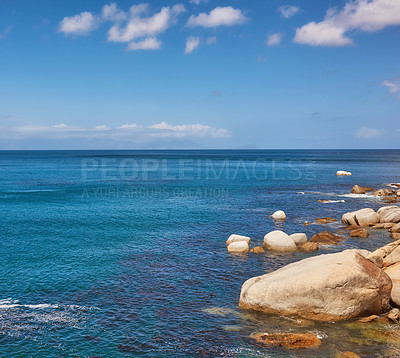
column 363, row 233
column 383, row 192
column 325, row 220
column 326, row 238
column 394, row 273
column 343, row 173
column 363, row 217
column 309, row 246
column 389, row 214
column 279, row 241
column 299, row 238
column 379, row 255
column 279, row 215
column 329, row 287
column 238, row 247
column 236, row 238
column 288, row 340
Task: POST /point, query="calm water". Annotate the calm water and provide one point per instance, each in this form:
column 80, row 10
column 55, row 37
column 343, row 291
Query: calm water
column 122, row 253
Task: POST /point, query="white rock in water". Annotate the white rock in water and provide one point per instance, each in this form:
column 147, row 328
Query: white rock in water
column 279, row 215
column 279, row 241
column 299, row 238
column 236, row 238
column 330, row 287
column 341, row 173
column 238, row 247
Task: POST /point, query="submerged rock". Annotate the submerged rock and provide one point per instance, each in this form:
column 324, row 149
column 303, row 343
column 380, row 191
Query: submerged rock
column 309, row 246
column 325, row 220
column 279, row 241
column 238, row 247
column 237, row 238
column 363, row 217
column 326, row 238
column 299, row 238
column 288, row 340
column 357, row 190
column 329, row 287
column 363, row 233
column 279, row 215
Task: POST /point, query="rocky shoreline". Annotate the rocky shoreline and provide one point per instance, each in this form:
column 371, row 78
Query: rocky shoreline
column 353, row 285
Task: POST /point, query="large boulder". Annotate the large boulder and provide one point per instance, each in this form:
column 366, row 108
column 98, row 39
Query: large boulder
column 279, row 241
column 299, row 238
column 394, row 273
column 237, row 238
column 279, row 215
column 363, row 217
column 329, row 287
column 389, row 214
column 238, row 247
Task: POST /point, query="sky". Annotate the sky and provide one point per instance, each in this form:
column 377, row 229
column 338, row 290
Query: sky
column 235, row 74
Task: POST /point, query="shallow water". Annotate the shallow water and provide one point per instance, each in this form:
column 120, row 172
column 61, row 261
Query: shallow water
column 122, row 253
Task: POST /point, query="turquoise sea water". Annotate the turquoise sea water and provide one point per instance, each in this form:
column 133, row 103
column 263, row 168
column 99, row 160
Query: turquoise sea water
column 122, row 253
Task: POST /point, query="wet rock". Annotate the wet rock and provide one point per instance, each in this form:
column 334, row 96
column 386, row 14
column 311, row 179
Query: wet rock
column 395, row 235
column 368, row 319
column 325, row 220
column 299, row 238
column 237, row 238
column 238, row 247
column 352, row 227
column 357, row 190
column 383, row 226
column 279, row 241
column 326, row 238
column 329, row 287
column 343, row 173
column 390, row 200
column 257, row 250
column 279, row 215
column 383, row 192
column 394, row 315
column 347, row 354
column 363, row 217
column 306, row 223
column 288, row 340
column 309, row 246
column 363, row 233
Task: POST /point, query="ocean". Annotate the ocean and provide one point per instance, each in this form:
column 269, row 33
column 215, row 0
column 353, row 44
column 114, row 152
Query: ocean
column 122, row 253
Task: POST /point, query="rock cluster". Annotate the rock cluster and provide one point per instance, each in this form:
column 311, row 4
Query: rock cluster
column 238, row 244
column 280, row 241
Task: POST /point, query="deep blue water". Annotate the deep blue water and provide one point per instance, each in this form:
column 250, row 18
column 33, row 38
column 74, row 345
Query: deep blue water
column 122, row 253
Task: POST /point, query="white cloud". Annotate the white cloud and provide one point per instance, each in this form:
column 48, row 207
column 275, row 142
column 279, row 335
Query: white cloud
column 7, row 30
column 7, row 118
column 216, row 93
column 149, row 43
column 81, row 24
column 274, row 39
column 364, row 15
column 112, row 13
column 220, row 16
column 191, row 44
column 393, row 85
column 197, row 2
column 138, row 26
column 288, row 11
column 365, row 132
column 124, row 132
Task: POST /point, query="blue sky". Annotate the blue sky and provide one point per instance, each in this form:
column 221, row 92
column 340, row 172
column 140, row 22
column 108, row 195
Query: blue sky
column 199, row 74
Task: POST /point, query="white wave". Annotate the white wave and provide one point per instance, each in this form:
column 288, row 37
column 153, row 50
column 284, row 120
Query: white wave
column 10, row 303
column 363, row 196
column 300, row 192
column 332, row 201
